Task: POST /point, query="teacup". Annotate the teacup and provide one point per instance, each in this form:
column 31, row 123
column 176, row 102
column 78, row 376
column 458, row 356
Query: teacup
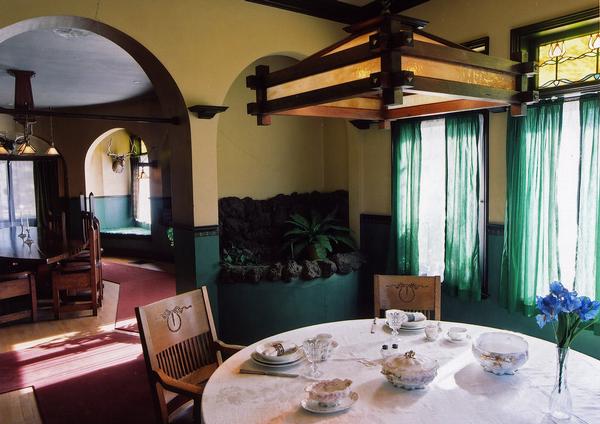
column 329, row 393
column 432, row 331
column 457, row 334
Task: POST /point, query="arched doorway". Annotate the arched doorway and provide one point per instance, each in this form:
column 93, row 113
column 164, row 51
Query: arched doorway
column 171, row 140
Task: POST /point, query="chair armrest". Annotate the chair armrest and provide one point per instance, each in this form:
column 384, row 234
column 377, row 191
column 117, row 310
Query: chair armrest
column 228, row 349
column 177, row 386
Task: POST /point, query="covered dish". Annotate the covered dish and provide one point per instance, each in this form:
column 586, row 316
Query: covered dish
column 501, row 353
column 410, row 371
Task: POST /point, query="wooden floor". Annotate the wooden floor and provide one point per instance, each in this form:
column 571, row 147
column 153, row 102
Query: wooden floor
column 19, row 406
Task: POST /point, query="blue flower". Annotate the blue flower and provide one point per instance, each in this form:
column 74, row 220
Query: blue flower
column 549, row 306
column 588, row 309
column 570, row 302
column 557, row 289
column 541, row 320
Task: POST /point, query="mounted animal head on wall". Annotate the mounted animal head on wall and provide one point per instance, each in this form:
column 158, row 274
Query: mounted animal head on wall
column 118, row 160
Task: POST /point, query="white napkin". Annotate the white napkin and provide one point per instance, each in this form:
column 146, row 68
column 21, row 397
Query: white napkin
column 271, row 350
column 415, row 317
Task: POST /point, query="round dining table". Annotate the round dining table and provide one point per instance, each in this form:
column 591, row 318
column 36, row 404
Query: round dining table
column 462, row 392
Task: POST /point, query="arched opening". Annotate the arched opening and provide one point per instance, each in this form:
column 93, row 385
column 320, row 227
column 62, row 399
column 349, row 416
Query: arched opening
column 169, row 186
column 118, row 172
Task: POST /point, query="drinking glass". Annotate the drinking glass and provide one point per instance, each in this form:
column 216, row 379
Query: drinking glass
column 314, row 350
column 395, row 318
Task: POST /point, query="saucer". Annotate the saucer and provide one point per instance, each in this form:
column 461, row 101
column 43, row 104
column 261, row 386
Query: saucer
column 345, row 403
column 466, row 339
column 258, row 360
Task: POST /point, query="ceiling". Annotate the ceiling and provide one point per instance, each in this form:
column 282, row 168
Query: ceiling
column 343, row 11
column 73, row 68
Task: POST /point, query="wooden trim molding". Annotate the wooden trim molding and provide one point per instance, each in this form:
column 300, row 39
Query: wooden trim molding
column 207, row 112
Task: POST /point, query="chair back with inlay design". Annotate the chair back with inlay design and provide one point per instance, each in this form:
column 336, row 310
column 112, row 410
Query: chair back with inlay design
column 408, row 292
column 178, row 338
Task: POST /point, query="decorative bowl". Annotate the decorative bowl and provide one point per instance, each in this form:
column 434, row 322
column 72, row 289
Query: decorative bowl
column 329, row 393
column 501, row 353
column 409, row 371
column 278, row 351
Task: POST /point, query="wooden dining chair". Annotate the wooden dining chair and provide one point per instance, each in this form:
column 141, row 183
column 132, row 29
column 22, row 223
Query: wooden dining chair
column 408, row 292
column 17, row 285
column 78, row 285
column 181, row 349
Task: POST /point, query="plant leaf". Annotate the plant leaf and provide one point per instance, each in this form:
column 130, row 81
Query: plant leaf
column 324, row 241
column 295, row 231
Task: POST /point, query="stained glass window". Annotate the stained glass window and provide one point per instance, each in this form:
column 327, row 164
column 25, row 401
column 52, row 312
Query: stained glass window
column 569, row 61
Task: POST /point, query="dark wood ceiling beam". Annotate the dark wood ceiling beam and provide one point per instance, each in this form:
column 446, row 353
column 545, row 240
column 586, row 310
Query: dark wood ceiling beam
column 332, row 10
column 338, row 11
column 373, row 9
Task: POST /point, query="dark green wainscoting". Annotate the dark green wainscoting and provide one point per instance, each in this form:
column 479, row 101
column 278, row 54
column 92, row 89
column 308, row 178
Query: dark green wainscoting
column 488, row 312
column 207, row 264
column 250, row 312
column 114, row 211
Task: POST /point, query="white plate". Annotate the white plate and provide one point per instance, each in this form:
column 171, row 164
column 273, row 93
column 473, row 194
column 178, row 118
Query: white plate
column 258, row 360
column 346, row 403
column 410, row 327
column 465, row 340
column 294, row 353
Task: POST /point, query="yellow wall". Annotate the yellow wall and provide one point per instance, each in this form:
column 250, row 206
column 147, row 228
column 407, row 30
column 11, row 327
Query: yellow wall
column 293, row 154
column 459, row 21
column 204, row 44
column 99, row 176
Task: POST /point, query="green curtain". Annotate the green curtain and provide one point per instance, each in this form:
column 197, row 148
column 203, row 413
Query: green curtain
column 406, row 175
column 587, row 275
column 462, row 275
column 530, row 253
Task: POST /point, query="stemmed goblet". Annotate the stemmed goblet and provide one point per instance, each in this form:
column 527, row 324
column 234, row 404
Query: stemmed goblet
column 395, row 319
column 314, row 349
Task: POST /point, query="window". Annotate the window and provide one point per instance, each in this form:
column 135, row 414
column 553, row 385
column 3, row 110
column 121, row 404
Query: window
column 438, row 208
column 142, row 179
column 571, row 61
column 567, row 51
column 17, row 192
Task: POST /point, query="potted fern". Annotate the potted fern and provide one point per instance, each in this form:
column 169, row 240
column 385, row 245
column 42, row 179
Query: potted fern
column 316, row 235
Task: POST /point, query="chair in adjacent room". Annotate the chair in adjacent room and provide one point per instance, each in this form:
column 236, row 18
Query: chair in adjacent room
column 408, row 292
column 78, row 285
column 181, row 349
column 18, row 284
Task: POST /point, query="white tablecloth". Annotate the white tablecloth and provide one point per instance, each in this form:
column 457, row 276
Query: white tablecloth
column 461, row 393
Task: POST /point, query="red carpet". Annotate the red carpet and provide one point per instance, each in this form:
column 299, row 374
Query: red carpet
column 98, row 379
column 138, row 287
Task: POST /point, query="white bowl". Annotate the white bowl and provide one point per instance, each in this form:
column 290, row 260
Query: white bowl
column 501, row 353
column 329, row 393
column 409, row 371
column 267, row 352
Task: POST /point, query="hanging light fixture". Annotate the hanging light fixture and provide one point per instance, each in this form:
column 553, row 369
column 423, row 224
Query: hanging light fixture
column 388, row 68
column 26, row 147
column 52, row 150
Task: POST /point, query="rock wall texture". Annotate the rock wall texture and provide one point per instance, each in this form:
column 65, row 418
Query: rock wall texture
column 259, row 225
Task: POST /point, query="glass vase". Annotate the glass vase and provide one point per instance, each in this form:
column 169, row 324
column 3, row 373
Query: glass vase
column 561, row 406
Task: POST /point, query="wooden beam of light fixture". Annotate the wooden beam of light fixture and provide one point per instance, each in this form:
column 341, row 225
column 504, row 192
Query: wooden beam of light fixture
column 93, row 116
column 385, row 61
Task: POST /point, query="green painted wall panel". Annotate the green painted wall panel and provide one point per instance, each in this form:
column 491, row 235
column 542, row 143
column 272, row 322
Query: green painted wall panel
column 250, row 312
column 114, row 211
